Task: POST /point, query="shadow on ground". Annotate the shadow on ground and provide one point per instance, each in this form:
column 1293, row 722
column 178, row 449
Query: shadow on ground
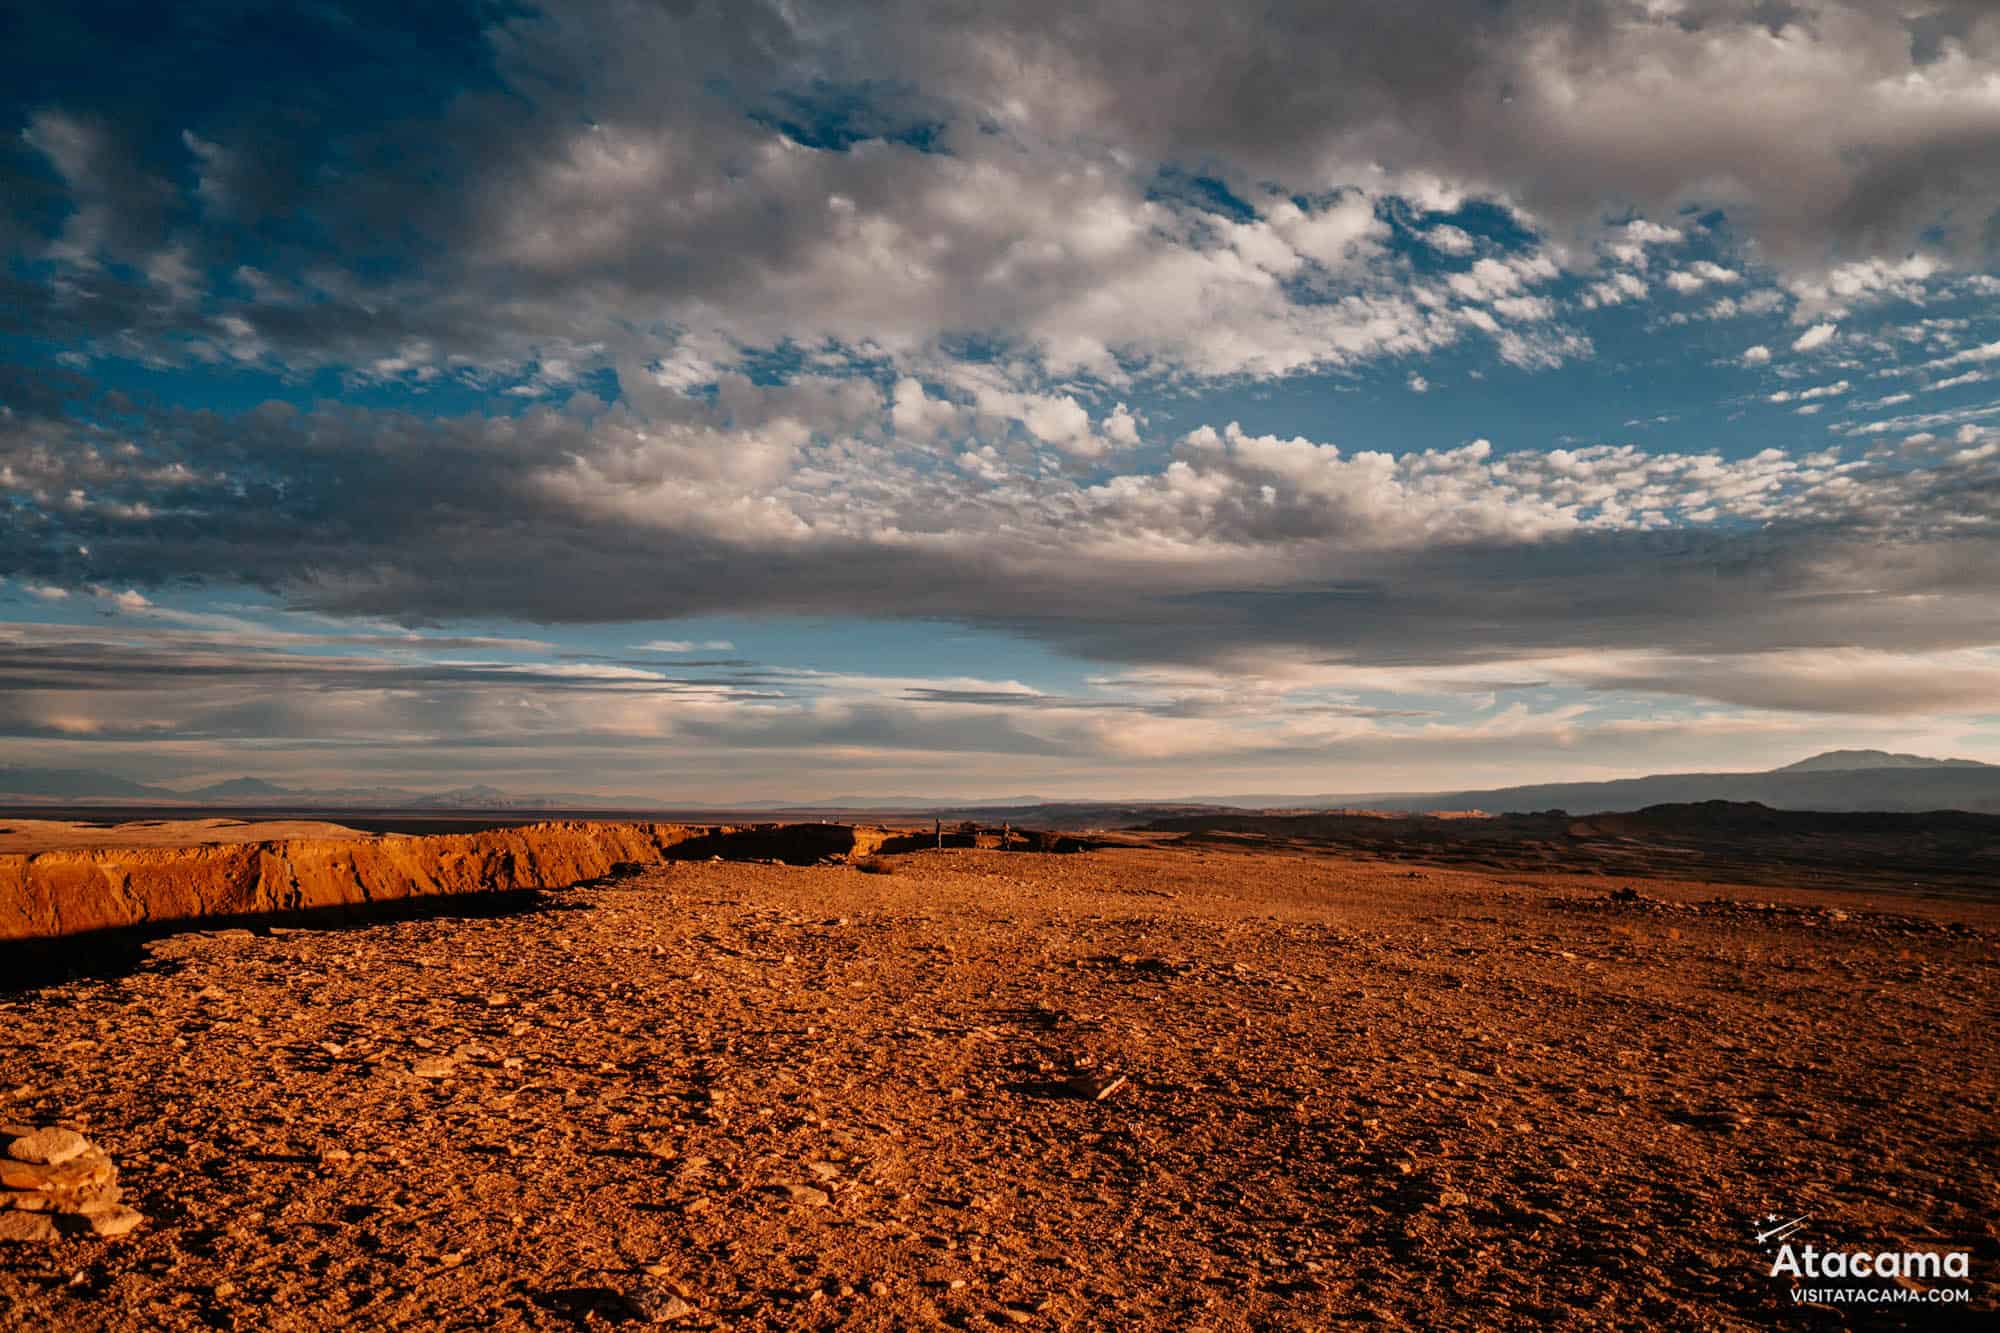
column 27, row 965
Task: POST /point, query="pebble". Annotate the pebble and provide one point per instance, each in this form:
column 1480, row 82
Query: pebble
column 656, row 1300
column 673, row 1307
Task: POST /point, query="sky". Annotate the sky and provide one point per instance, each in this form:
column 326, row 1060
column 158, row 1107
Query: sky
column 766, row 400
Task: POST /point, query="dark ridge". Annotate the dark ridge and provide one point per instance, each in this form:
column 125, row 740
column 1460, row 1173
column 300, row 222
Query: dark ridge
column 1945, row 852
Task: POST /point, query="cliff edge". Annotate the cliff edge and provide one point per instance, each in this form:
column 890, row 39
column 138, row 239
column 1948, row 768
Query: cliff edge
column 67, row 891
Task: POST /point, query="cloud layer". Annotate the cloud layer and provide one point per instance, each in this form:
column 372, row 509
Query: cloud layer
column 555, row 185
column 601, row 311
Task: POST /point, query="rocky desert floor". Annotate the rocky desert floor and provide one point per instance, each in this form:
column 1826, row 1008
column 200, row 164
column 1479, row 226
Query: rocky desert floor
column 1133, row 1088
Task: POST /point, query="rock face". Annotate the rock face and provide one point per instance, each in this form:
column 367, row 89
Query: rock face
column 54, row 1180
column 50, row 894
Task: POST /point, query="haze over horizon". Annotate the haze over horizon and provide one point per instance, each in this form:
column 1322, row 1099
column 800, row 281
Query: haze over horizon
column 748, row 401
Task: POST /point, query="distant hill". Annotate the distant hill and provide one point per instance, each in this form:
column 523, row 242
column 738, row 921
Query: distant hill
column 1839, row 780
column 76, row 783
column 1847, row 761
column 40, row 786
column 1717, row 841
column 1827, row 782
column 239, row 789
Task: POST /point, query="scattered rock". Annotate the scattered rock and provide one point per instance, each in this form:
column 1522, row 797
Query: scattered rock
column 1092, row 1085
column 27, row 1228
column 51, row 1146
column 53, row 1176
column 114, row 1220
column 76, row 1176
column 658, row 1301
column 672, row 1308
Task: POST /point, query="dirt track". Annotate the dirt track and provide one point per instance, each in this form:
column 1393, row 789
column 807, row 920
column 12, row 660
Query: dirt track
column 760, row 1096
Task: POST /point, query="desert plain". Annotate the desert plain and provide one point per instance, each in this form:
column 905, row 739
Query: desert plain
column 1212, row 1078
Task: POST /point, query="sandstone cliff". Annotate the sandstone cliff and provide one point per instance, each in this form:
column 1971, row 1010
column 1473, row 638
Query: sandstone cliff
column 49, row 894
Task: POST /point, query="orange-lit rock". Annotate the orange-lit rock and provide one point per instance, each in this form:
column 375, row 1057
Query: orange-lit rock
column 69, row 890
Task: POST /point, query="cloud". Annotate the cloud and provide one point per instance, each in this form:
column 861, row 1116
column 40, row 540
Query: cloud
column 1628, row 244
column 96, row 697
column 125, row 600
column 1838, row 291
column 1855, row 682
column 1699, row 275
column 1450, row 240
column 1240, row 547
column 1981, row 355
column 1959, row 381
column 684, row 646
column 1808, row 395
column 899, row 176
column 918, row 416
column 1615, row 290
column 906, row 312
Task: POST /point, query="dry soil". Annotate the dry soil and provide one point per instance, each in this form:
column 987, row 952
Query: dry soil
column 1128, row 1088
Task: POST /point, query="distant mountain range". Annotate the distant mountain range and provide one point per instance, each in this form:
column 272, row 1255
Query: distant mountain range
column 89, row 786
column 1847, row 761
column 1839, row 780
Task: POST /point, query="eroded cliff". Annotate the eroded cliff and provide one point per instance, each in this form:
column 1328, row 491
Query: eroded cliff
column 46, row 895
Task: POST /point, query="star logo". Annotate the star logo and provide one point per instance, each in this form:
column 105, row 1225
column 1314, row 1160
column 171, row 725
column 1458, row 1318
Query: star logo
column 1773, row 1231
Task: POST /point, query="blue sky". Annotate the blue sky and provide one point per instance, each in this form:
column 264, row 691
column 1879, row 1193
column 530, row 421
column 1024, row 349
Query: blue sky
column 735, row 402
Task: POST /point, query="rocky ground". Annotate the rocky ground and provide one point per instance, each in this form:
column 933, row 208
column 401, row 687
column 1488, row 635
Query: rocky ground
column 1129, row 1088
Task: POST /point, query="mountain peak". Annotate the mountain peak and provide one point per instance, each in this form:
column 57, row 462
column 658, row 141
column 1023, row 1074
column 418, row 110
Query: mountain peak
column 1843, row 760
column 238, row 788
